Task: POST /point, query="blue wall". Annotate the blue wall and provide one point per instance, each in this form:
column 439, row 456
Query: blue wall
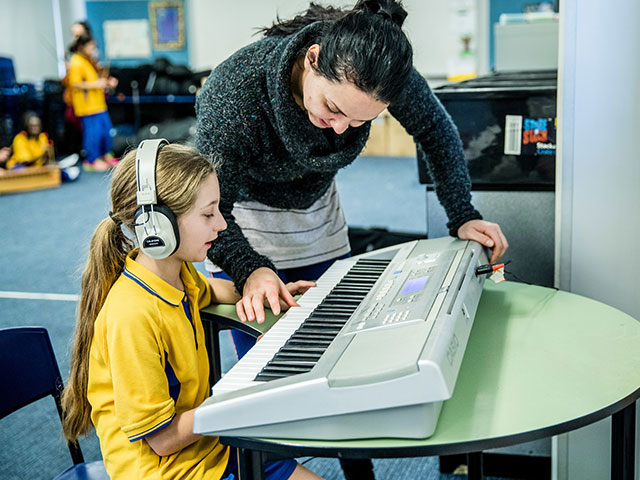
column 101, row 11
column 497, row 7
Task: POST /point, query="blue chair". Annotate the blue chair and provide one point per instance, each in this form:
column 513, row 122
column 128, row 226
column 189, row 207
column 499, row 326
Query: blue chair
column 7, row 72
column 28, row 372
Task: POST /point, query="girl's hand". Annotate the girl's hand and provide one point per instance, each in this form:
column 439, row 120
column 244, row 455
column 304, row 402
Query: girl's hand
column 485, row 233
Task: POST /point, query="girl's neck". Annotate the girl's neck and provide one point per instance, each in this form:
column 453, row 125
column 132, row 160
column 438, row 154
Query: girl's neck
column 168, row 269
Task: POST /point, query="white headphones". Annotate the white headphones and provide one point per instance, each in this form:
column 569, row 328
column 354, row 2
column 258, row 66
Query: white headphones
column 156, row 226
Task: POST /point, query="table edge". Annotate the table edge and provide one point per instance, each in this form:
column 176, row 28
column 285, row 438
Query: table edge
column 291, row 450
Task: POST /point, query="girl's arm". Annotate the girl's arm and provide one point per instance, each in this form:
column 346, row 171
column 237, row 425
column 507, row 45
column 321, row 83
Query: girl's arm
column 175, row 436
column 99, row 83
column 223, row 291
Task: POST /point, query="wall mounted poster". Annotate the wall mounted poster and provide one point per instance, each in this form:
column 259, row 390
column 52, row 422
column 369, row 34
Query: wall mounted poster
column 126, row 39
column 167, row 25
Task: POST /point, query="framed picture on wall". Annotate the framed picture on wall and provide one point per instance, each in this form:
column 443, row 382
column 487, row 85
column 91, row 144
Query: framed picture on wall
column 167, row 25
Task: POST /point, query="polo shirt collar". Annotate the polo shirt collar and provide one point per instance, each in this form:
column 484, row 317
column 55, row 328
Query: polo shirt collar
column 153, row 284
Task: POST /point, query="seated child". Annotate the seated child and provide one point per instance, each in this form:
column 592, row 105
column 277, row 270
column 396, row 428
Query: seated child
column 5, row 154
column 31, row 147
column 139, row 365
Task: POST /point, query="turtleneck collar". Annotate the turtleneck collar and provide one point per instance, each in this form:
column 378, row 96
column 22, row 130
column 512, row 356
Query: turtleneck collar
column 291, row 122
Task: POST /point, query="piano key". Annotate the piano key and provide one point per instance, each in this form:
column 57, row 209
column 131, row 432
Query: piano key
column 301, row 357
column 284, row 338
column 302, row 350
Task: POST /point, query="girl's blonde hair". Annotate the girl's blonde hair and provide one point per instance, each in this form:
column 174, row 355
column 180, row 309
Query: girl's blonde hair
column 180, row 172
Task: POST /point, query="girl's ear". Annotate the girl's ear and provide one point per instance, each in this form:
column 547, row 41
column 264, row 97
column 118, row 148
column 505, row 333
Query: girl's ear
column 311, row 58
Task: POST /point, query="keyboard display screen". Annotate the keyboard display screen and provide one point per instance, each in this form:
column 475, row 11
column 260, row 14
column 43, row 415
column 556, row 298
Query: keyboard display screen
column 414, row 285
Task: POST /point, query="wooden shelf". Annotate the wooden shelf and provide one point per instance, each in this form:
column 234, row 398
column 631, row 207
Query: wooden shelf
column 30, row 178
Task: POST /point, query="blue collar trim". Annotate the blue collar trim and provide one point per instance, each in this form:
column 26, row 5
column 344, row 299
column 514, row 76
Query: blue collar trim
column 139, row 281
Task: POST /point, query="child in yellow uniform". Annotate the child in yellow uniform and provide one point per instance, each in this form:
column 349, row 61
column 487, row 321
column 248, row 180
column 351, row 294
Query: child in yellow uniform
column 139, row 366
column 87, row 83
column 31, row 147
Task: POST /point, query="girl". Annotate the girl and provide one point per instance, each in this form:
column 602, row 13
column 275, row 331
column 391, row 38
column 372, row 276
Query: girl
column 139, row 366
column 88, row 81
column 31, row 147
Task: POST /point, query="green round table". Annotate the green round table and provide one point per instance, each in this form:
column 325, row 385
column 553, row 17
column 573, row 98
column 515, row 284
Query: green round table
column 539, row 362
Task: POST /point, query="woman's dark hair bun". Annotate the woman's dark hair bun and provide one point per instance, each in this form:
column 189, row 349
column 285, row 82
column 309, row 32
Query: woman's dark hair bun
column 389, row 9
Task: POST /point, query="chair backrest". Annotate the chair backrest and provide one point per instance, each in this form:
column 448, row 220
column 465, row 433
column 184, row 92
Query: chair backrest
column 28, row 372
column 7, row 72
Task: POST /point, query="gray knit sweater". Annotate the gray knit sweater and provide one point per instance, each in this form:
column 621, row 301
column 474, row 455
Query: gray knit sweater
column 271, row 153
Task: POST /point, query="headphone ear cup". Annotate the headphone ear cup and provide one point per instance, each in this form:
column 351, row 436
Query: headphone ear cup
column 157, row 232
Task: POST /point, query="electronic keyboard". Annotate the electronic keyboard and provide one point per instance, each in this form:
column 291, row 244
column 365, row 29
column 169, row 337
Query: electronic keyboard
column 372, row 351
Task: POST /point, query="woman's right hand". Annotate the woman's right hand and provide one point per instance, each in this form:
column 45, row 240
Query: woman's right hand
column 263, row 287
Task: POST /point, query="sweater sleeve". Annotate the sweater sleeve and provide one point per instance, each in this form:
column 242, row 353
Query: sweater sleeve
column 424, row 118
column 224, row 131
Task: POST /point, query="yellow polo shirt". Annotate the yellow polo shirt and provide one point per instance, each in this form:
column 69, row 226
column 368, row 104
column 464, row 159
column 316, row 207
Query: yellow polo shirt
column 29, row 151
column 85, row 102
column 148, row 362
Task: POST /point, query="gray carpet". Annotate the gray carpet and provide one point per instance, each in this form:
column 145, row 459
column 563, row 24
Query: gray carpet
column 44, row 237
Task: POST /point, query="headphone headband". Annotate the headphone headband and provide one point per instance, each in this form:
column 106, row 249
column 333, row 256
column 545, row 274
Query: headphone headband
column 146, row 156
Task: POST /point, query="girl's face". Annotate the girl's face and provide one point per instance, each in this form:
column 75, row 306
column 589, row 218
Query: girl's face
column 89, row 50
column 77, row 30
column 34, row 126
column 336, row 105
column 201, row 224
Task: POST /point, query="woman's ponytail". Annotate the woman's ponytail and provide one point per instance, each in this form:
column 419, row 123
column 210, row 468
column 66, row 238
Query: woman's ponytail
column 389, row 9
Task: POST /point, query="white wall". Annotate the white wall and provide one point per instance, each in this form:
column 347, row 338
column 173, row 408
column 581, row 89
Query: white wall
column 598, row 219
column 599, row 152
column 217, row 28
column 28, row 35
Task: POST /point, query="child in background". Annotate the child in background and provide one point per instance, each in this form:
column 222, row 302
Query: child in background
column 139, row 365
column 88, row 81
column 5, row 154
column 31, row 147
column 73, row 125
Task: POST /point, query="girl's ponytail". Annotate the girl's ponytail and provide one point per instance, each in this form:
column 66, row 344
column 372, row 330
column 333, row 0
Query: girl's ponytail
column 107, row 253
column 180, row 173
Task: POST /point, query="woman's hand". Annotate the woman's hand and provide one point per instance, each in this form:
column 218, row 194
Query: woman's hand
column 263, row 287
column 485, row 233
column 295, row 288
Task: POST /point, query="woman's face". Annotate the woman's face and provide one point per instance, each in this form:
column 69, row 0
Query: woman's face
column 201, row 224
column 336, row 105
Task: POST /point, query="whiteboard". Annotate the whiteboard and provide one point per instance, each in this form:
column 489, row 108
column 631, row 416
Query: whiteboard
column 127, row 39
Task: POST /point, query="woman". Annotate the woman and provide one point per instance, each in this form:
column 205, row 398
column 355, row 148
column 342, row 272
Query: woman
column 287, row 112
